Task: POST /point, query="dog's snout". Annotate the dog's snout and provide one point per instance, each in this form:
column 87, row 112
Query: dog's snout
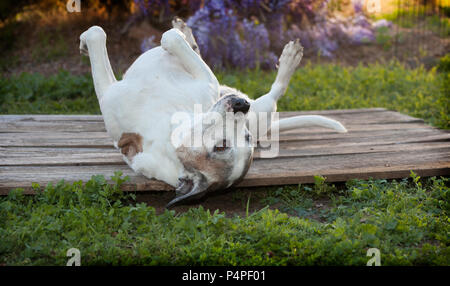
column 240, row 105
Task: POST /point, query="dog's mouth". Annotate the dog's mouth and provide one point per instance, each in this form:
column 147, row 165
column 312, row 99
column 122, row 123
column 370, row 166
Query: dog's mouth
column 189, row 189
column 193, row 189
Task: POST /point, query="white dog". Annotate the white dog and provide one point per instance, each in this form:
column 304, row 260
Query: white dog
column 138, row 112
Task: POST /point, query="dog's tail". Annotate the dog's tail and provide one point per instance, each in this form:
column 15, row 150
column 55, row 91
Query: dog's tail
column 307, row 121
column 93, row 43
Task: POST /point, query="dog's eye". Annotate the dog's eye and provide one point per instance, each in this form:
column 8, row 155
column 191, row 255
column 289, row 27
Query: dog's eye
column 222, row 147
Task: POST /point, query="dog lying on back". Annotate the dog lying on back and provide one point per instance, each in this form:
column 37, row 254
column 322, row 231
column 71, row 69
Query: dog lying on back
column 170, row 96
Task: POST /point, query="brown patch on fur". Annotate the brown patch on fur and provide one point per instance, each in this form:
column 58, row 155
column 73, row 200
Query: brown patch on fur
column 130, row 144
column 202, row 162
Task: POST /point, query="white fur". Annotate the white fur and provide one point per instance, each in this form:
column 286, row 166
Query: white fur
column 307, row 120
column 155, row 87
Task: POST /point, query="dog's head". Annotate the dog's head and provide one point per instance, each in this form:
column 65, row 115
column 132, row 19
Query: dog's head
column 216, row 150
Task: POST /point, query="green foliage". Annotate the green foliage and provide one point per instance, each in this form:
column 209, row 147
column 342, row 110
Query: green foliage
column 49, row 48
column 7, row 36
column 59, row 93
column 408, row 222
column 416, row 92
column 444, row 64
column 383, row 38
column 419, row 17
column 440, row 25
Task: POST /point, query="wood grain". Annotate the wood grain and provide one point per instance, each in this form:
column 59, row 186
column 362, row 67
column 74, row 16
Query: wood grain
column 380, row 144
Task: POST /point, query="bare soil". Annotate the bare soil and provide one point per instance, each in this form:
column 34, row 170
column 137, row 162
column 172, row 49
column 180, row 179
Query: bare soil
column 233, row 201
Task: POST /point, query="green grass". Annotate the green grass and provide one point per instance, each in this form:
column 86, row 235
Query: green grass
column 62, row 93
column 317, row 224
column 49, row 48
column 406, row 220
column 418, row 92
column 410, row 18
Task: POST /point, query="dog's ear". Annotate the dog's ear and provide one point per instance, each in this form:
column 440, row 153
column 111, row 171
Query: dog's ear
column 130, row 144
column 189, row 189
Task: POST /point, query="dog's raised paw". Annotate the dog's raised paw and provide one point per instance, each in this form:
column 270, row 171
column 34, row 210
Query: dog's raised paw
column 179, row 24
column 171, row 39
column 292, row 54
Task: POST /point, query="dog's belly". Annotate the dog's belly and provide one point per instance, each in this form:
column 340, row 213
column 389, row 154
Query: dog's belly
column 154, row 88
column 152, row 91
column 163, row 76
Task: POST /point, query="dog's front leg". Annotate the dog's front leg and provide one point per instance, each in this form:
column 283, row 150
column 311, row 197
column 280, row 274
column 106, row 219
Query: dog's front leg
column 288, row 63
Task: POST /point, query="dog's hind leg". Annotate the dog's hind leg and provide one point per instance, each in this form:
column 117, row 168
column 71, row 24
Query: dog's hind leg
column 181, row 25
column 174, row 42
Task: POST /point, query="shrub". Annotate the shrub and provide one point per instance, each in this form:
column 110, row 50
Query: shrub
column 248, row 34
column 444, row 64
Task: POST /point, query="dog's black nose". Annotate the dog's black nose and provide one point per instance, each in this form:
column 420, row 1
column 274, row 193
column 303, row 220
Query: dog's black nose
column 240, row 105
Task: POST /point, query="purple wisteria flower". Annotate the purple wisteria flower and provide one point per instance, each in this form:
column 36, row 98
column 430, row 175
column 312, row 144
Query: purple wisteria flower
column 358, row 6
column 148, row 44
column 251, row 33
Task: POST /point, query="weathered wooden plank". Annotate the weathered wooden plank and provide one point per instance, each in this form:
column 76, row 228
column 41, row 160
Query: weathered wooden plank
column 343, row 175
column 46, row 127
column 380, row 144
column 375, row 115
column 56, row 139
column 90, row 123
column 101, row 139
column 49, row 126
column 13, row 156
column 278, row 166
column 276, row 171
column 308, row 151
column 23, row 177
column 362, row 141
column 378, row 116
column 294, row 135
column 363, row 116
column 38, row 156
